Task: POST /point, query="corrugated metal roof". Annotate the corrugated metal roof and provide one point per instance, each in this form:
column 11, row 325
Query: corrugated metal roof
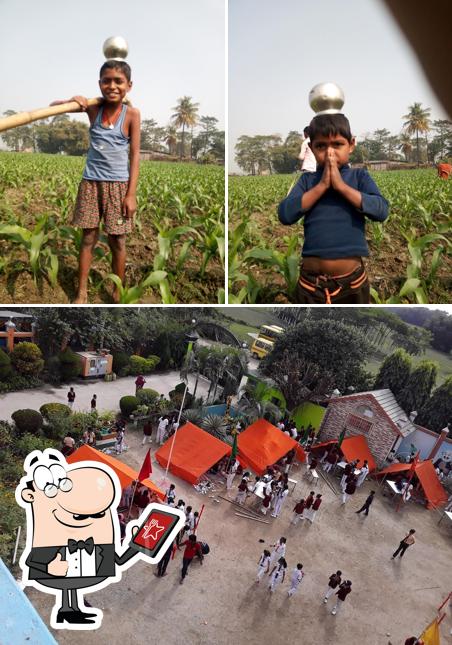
column 389, row 404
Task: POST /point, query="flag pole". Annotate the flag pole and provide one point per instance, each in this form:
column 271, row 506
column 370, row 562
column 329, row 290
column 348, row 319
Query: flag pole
column 199, row 517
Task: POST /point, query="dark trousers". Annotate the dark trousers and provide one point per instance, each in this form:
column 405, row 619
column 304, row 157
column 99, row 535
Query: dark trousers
column 403, row 546
column 161, row 567
column 364, row 508
column 352, row 288
column 185, row 564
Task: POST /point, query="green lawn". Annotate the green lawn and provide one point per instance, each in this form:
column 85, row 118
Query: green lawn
column 443, row 360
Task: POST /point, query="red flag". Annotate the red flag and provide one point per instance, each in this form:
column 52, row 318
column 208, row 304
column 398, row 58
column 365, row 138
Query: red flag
column 146, row 468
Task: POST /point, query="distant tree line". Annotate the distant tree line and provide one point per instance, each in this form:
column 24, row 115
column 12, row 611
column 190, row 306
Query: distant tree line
column 188, row 135
column 437, row 322
column 420, row 141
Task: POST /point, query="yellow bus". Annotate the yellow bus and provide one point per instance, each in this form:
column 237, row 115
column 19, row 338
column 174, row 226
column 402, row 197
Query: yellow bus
column 270, row 332
column 261, row 347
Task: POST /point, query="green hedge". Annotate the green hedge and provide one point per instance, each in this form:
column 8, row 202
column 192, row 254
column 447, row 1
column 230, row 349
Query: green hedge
column 70, row 364
column 49, row 410
column 5, row 365
column 141, row 365
column 128, row 404
column 27, row 420
column 26, row 359
column 146, row 396
column 17, row 382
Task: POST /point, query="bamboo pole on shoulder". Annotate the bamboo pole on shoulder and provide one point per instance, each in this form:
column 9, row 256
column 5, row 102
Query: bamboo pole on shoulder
column 23, row 118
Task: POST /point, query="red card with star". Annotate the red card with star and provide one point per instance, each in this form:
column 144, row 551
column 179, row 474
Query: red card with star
column 157, row 526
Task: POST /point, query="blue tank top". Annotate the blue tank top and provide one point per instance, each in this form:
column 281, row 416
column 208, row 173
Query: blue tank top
column 108, row 154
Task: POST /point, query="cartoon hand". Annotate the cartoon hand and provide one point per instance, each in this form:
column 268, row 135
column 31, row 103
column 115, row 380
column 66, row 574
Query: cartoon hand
column 58, row 566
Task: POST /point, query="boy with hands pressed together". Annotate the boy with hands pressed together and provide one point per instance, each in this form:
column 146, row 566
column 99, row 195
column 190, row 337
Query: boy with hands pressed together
column 334, row 201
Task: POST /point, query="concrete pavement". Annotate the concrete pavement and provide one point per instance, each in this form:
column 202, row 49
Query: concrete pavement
column 108, row 393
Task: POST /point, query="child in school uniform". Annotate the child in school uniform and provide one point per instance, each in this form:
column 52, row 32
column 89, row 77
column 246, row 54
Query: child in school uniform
column 277, row 574
column 333, row 583
column 263, row 565
column 280, row 499
column 309, row 501
column 298, row 510
column 334, row 202
column 108, row 187
column 314, row 508
column 296, row 579
column 342, row 593
column 279, row 550
column 241, row 492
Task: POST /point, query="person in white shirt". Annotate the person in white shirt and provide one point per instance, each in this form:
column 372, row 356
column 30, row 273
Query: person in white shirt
column 231, row 472
column 295, row 579
column 363, row 474
column 280, row 425
column 161, row 429
column 306, row 156
column 263, row 565
column 277, row 575
column 280, row 499
column 279, row 550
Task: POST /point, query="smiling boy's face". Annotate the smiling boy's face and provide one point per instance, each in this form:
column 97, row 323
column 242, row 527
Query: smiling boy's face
column 341, row 147
column 82, row 512
column 114, row 85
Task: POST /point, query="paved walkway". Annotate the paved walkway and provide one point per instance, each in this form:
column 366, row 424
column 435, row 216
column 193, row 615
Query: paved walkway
column 108, row 394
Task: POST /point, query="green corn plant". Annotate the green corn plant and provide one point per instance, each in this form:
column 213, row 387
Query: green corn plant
column 287, row 264
column 132, row 295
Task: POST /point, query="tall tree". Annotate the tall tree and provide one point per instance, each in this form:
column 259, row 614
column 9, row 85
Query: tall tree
column 209, row 127
column 394, row 372
column 185, row 116
column 171, row 139
column 419, row 386
column 335, row 347
column 417, row 121
column 17, row 138
column 406, row 145
column 437, row 412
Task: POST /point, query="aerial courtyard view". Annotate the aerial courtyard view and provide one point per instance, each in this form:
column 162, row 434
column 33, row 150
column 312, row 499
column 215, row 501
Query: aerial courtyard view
column 308, row 451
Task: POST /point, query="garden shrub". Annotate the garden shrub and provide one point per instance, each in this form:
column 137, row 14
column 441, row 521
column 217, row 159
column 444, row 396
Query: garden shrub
column 11, row 516
column 53, row 370
column 30, row 442
column 70, row 364
column 6, row 436
column 5, row 365
column 121, row 363
column 27, row 420
column 128, row 404
column 48, row 410
column 26, row 358
column 141, row 365
column 17, row 382
column 147, row 396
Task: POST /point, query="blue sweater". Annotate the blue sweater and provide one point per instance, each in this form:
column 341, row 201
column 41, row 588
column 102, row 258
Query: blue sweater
column 333, row 227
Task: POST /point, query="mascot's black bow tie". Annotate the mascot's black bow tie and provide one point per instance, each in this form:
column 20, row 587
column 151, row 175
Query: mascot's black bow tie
column 88, row 545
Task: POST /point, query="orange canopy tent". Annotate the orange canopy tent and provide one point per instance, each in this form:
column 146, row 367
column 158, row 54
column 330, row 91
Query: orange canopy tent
column 263, row 444
column 425, row 472
column 194, row 453
column 352, row 448
column 125, row 473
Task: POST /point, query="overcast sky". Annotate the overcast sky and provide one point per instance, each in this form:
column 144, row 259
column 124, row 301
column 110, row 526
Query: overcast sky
column 278, row 50
column 52, row 49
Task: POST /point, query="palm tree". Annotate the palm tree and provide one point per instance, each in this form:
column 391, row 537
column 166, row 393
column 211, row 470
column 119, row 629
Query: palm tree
column 405, row 145
column 417, row 120
column 185, row 116
column 171, row 139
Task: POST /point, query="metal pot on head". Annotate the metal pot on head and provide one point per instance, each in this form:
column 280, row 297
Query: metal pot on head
column 326, row 98
column 115, row 48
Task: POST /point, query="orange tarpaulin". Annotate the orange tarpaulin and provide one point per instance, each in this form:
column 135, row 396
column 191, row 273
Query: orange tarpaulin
column 357, row 448
column 428, row 479
column 194, row 453
column 125, row 473
column 263, row 444
column 352, row 448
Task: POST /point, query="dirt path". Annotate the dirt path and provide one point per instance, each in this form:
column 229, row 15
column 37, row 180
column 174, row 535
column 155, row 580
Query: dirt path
column 108, row 394
column 220, row 605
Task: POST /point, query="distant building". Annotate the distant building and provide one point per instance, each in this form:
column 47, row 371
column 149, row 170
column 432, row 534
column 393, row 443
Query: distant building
column 376, row 415
column 15, row 328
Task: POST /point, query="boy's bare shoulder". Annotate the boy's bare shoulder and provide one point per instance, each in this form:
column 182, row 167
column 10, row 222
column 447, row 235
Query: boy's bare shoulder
column 134, row 112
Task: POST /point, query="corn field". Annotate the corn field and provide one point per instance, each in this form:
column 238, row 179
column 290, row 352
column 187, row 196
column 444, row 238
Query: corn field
column 175, row 254
column 410, row 257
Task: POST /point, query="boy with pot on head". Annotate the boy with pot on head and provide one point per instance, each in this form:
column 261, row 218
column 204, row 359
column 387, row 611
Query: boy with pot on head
column 108, row 187
column 334, row 202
